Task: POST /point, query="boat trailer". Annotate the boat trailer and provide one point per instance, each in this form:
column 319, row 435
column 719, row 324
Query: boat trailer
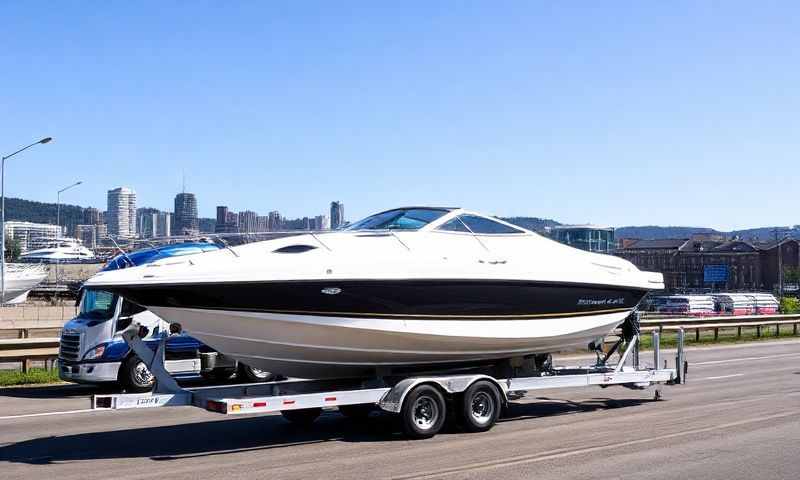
column 419, row 400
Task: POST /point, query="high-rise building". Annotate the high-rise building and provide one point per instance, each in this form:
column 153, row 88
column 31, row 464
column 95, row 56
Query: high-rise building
column 121, row 213
column 87, row 234
column 275, row 221
column 248, row 221
column 163, row 224
column 91, row 216
column 102, row 232
column 322, row 222
column 145, row 222
column 262, row 223
column 185, row 219
column 337, row 215
column 227, row 221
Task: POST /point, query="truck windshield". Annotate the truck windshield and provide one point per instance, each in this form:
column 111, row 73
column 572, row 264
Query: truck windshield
column 98, row 304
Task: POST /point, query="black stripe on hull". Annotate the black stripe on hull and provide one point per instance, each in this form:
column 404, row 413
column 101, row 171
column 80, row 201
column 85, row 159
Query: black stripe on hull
column 411, row 299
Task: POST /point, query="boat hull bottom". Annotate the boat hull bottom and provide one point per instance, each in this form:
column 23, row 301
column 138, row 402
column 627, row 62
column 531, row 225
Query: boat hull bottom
column 316, row 346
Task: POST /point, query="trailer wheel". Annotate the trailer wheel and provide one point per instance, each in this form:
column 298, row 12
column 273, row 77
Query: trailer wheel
column 135, row 376
column 480, row 406
column 303, row 416
column 251, row 374
column 357, row 412
column 423, row 413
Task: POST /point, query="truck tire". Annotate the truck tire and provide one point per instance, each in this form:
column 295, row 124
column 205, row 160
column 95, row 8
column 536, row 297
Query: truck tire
column 134, row 376
column 423, row 412
column 480, row 406
column 303, row 416
column 250, row 374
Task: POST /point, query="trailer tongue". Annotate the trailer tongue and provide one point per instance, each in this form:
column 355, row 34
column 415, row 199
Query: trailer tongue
column 478, row 398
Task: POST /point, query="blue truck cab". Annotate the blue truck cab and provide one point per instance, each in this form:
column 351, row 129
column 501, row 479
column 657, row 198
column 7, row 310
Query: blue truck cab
column 92, row 349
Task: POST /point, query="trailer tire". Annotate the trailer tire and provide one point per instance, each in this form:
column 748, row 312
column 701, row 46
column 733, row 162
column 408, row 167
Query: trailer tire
column 250, row 374
column 480, row 406
column 134, row 376
column 423, row 413
column 303, row 416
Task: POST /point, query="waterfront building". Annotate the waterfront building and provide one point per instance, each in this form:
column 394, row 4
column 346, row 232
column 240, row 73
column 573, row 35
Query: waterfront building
column 275, row 221
column 592, row 238
column 87, row 234
column 337, row 215
column 31, row 235
column 101, row 233
column 91, row 216
column 322, row 222
column 145, row 222
column 121, row 213
column 163, row 224
column 262, row 223
column 185, row 219
column 699, row 265
column 248, row 221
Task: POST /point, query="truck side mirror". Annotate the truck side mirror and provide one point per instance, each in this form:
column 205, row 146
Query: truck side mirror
column 78, row 297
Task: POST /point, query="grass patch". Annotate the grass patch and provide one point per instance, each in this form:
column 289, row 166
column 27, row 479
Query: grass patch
column 726, row 335
column 32, row 376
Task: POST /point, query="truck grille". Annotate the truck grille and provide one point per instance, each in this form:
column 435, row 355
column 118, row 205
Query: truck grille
column 70, row 347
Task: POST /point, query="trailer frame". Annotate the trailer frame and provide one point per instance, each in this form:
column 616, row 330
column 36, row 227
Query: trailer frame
column 312, row 396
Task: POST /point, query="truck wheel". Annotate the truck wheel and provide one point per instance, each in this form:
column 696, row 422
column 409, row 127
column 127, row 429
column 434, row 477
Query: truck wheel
column 423, row 412
column 250, row 374
column 135, row 376
column 480, row 406
column 303, row 416
column 357, row 412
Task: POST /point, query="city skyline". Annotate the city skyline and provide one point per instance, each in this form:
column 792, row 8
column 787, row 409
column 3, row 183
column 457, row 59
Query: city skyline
column 678, row 114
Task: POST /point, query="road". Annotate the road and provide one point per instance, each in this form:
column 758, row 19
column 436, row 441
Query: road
column 738, row 417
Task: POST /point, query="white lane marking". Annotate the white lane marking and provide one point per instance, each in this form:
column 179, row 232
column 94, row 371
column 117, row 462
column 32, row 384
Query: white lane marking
column 44, row 414
column 743, row 359
column 565, row 453
column 722, row 376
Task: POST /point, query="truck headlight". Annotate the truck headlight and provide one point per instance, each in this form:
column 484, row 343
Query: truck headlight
column 95, row 353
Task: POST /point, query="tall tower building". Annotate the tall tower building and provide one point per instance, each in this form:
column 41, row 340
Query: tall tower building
column 186, row 222
column 121, row 212
column 91, row 216
column 248, row 221
column 337, row 215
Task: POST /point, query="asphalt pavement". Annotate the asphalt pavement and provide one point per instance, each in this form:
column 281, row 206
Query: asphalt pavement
column 738, row 417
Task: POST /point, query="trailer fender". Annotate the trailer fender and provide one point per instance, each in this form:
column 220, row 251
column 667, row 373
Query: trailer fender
column 392, row 401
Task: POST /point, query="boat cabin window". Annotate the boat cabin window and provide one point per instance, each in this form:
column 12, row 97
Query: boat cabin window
column 478, row 225
column 98, row 305
column 400, row 219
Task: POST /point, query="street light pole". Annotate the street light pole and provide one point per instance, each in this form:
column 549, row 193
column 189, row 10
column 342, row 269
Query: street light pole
column 58, row 202
column 3, row 215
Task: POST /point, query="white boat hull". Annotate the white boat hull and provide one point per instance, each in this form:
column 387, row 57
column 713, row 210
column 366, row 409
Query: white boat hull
column 324, row 346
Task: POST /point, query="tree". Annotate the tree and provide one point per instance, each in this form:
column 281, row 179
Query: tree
column 13, row 249
column 791, row 275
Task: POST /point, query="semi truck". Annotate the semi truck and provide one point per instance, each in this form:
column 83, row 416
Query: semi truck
column 92, row 350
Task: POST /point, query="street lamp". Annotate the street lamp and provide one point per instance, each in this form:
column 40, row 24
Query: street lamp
column 58, row 204
column 3, row 215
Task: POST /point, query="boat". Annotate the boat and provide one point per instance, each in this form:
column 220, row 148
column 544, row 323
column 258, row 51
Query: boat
column 60, row 250
column 19, row 280
column 415, row 287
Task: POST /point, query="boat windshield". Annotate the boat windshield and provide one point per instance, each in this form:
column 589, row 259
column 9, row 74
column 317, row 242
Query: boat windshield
column 98, row 304
column 400, row 219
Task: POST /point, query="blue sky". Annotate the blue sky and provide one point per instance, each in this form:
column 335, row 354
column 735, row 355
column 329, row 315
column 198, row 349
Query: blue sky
column 623, row 113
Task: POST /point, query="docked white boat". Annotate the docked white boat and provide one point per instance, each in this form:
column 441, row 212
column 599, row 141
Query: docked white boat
column 19, row 280
column 406, row 288
column 61, row 250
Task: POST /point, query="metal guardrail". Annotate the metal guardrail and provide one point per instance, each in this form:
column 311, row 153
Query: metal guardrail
column 27, row 347
column 665, row 322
